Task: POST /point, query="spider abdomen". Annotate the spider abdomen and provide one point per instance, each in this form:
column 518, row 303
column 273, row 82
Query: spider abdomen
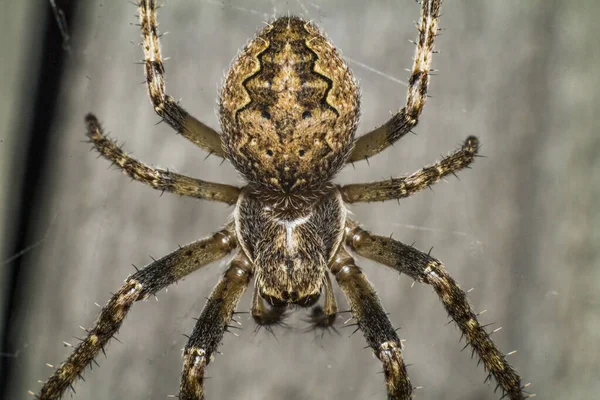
column 290, row 253
column 289, row 108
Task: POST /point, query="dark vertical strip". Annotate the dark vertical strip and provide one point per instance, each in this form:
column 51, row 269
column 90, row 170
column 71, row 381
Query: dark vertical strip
column 44, row 100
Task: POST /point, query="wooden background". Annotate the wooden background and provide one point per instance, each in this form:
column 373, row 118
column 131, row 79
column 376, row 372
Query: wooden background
column 522, row 227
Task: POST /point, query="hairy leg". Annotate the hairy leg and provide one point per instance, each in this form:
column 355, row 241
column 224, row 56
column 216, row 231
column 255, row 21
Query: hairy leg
column 157, row 178
column 164, row 105
column 397, row 188
column 266, row 316
column 139, row 286
column 325, row 317
column 211, row 326
column 424, row 268
column 407, row 118
column 373, row 321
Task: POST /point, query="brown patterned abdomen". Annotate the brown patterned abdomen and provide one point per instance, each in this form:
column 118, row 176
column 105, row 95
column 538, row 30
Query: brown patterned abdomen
column 289, row 108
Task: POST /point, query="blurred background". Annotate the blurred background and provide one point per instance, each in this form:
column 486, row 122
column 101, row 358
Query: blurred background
column 522, row 227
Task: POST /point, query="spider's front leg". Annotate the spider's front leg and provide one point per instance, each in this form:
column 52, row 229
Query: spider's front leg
column 144, row 283
column 264, row 316
column 164, row 105
column 374, row 323
column 212, row 325
column 424, row 268
column 323, row 318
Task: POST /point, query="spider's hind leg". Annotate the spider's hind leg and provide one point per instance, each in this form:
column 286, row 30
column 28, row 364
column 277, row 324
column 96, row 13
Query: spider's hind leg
column 164, row 105
column 405, row 119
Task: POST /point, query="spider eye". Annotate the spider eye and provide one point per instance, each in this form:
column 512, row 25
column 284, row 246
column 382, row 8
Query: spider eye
column 266, row 115
column 301, row 152
column 306, row 114
column 269, row 153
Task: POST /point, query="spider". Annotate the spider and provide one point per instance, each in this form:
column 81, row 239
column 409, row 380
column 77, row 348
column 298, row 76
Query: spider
column 288, row 110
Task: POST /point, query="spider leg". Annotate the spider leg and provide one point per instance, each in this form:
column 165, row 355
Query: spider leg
column 407, row 118
column 266, row 316
column 397, row 188
column 324, row 318
column 424, row 268
column 164, row 105
column 212, row 325
column 144, row 283
column 373, row 321
column 156, row 177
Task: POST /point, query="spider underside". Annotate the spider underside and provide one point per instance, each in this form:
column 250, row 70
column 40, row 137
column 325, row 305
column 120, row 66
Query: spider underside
column 289, row 108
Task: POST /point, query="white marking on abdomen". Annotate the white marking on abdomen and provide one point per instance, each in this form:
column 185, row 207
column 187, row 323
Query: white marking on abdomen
column 289, row 229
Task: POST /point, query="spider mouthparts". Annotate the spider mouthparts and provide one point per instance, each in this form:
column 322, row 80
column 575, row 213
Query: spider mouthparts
column 291, row 298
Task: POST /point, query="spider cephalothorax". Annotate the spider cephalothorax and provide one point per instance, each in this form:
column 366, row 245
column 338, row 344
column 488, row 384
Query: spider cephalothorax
column 290, row 252
column 289, row 108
